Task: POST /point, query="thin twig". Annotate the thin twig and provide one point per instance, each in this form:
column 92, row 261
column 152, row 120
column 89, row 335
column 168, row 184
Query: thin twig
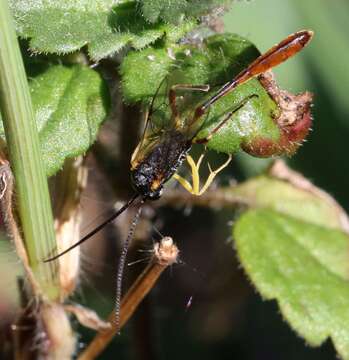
column 217, row 198
column 165, row 254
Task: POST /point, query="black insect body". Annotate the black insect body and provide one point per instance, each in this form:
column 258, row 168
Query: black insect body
column 148, row 177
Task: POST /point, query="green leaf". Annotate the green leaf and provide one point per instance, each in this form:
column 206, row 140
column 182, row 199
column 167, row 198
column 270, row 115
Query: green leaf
column 293, row 244
column 307, row 204
column 216, row 62
column 173, row 11
column 105, row 27
column 304, row 267
column 142, row 85
column 70, row 104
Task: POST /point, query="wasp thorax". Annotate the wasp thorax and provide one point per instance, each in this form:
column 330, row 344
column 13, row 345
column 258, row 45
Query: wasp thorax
column 159, row 164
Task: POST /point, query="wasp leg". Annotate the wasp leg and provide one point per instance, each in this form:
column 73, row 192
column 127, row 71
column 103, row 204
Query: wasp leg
column 194, row 188
column 224, row 121
column 213, row 174
column 173, row 96
column 195, row 173
column 185, row 183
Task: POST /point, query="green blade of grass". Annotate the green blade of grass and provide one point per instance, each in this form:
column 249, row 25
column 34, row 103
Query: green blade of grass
column 32, row 196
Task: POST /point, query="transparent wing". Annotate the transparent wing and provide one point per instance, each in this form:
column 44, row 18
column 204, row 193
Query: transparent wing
column 156, row 121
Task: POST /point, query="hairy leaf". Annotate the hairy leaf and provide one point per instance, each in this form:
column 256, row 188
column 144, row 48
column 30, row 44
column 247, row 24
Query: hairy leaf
column 70, row 104
column 294, row 245
column 105, row 26
column 304, row 267
column 308, row 204
column 173, row 11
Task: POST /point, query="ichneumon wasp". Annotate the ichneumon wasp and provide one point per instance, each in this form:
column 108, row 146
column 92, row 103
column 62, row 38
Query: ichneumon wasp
column 161, row 151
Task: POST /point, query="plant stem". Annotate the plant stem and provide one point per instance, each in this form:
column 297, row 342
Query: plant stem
column 165, row 254
column 24, row 151
column 221, row 197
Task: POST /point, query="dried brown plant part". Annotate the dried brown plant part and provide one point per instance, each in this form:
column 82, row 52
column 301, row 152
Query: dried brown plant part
column 36, row 328
column 68, row 186
column 293, row 119
column 165, row 254
column 293, row 107
column 280, row 170
column 57, row 340
column 42, row 331
column 87, row 317
column 212, row 198
column 9, row 219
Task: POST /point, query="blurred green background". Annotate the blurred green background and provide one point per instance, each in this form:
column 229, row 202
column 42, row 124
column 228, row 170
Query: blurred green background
column 227, row 319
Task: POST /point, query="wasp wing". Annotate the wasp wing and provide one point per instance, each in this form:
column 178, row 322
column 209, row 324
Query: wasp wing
column 156, row 123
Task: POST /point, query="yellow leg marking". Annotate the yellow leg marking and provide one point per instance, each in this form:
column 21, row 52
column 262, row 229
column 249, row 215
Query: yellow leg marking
column 185, row 183
column 213, row 174
column 195, row 174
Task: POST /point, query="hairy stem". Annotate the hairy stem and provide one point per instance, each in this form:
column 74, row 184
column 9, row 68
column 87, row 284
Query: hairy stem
column 24, row 151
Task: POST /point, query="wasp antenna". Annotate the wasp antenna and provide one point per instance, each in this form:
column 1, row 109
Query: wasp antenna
column 157, row 231
column 121, row 266
column 96, row 230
